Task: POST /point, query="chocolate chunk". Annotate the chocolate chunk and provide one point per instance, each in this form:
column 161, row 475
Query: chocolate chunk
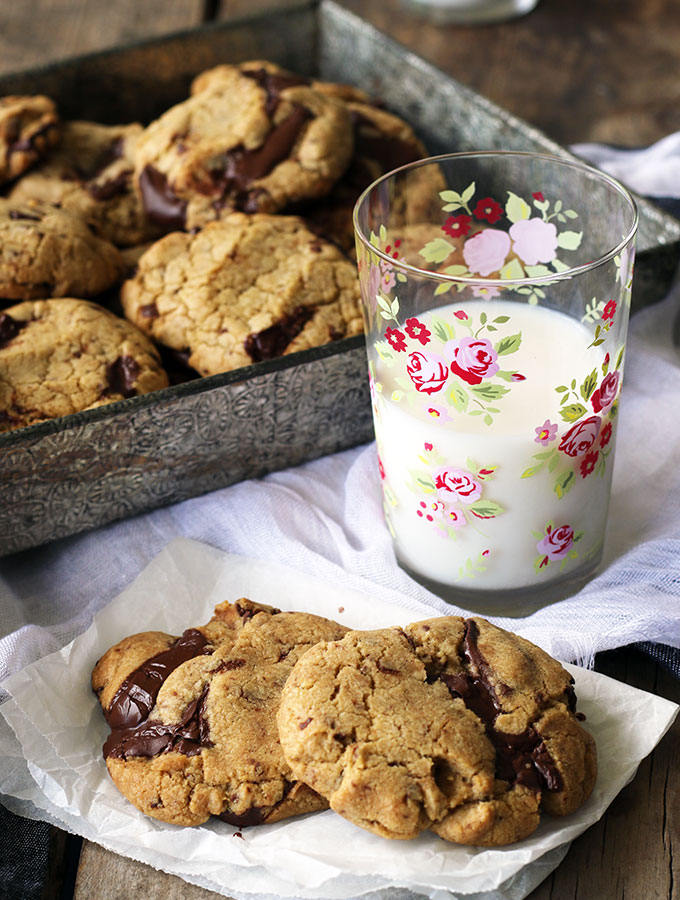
column 273, row 341
column 150, row 311
column 30, row 143
column 274, row 83
column 121, row 376
column 9, row 329
column 245, row 166
column 188, row 736
column 135, row 698
column 19, row 214
column 161, row 205
column 521, row 758
column 254, row 816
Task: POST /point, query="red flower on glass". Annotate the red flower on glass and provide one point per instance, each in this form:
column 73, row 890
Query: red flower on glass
column 538, row 196
column 457, row 226
column 461, row 314
column 606, row 434
column 381, row 469
column 603, row 398
column 488, row 209
column 588, row 464
column 396, row 339
column 609, row 310
column 581, row 437
column 417, row 331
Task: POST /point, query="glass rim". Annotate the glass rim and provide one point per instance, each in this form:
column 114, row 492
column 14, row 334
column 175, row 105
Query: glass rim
column 565, row 275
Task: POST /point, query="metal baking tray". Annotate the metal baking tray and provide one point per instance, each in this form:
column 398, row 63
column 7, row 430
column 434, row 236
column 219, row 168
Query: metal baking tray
column 81, row 471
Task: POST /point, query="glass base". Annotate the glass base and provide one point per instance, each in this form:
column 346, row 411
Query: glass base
column 469, row 12
column 516, row 603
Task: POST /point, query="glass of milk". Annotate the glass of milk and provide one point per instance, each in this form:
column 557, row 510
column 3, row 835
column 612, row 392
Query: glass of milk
column 496, row 289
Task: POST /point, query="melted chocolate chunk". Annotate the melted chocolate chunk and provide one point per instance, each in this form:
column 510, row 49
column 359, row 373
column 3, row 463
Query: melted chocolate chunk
column 121, row 376
column 520, row 758
column 150, row 311
column 135, row 698
column 245, row 166
column 273, row 341
column 161, row 205
column 254, row 816
column 30, row 143
column 273, row 84
column 127, row 714
column 188, row 736
column 9, row 329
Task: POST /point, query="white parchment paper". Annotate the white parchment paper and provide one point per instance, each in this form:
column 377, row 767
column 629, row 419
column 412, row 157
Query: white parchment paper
column 54, row 767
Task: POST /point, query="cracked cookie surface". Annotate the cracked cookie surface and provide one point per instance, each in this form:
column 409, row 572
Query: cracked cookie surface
column 29, row 126
column 48, row 252
column 62, row 356
column 447, row 724
column 193, row 718
column 90, row 174
column 244, row 289
column 251, row 137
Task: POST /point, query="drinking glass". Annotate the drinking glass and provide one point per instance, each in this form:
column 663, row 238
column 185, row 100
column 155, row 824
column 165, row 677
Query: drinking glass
column 496, row 289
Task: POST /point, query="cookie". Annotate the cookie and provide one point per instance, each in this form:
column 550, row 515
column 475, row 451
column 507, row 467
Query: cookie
column 252, row 139
column 193, row 718
column 47, row 252
column 447, row 724
column 29, row 126
column 382, row 142
column 242, row 290
column 90, row 174
column 61, row 356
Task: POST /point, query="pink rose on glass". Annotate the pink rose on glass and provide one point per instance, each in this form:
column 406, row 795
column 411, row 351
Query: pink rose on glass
column 581, row 437
column 459, row 483
column 557, row 541
column 428, row 373
column 534, row 241
column 605, row 395
column 486, row 251
column 472, row 359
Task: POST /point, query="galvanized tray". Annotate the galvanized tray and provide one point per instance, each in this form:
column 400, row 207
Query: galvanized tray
column 84, row 470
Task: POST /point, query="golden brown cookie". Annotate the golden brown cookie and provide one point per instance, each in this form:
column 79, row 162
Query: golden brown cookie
column 193, row 718
column 249, row 138
column 61, row 356
column 244, row 289
column 449, row 724
column 29, row 126
column 90, row 174
column 47, row 252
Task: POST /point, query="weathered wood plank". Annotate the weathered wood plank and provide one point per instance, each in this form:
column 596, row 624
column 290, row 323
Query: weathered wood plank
column 580, row 71
column 102, row 875
column 33, row 32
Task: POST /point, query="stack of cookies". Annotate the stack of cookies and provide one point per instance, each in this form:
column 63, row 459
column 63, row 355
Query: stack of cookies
column 218, row 236
column 450, row 724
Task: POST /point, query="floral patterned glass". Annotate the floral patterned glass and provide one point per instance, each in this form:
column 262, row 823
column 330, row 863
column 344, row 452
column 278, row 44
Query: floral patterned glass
column 496, row 289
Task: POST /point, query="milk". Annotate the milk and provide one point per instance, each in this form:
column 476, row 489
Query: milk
column 495, row 425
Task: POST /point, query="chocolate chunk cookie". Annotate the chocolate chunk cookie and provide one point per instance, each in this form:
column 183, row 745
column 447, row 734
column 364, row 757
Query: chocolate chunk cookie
column 62, row 356
column 47, row 252
column 90, row 174
column 193, row 727
column 448, row 724
column 29, row 126
column 252, row 139
column 244, row 289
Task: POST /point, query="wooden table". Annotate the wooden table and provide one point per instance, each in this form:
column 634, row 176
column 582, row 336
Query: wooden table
column 581, row 70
